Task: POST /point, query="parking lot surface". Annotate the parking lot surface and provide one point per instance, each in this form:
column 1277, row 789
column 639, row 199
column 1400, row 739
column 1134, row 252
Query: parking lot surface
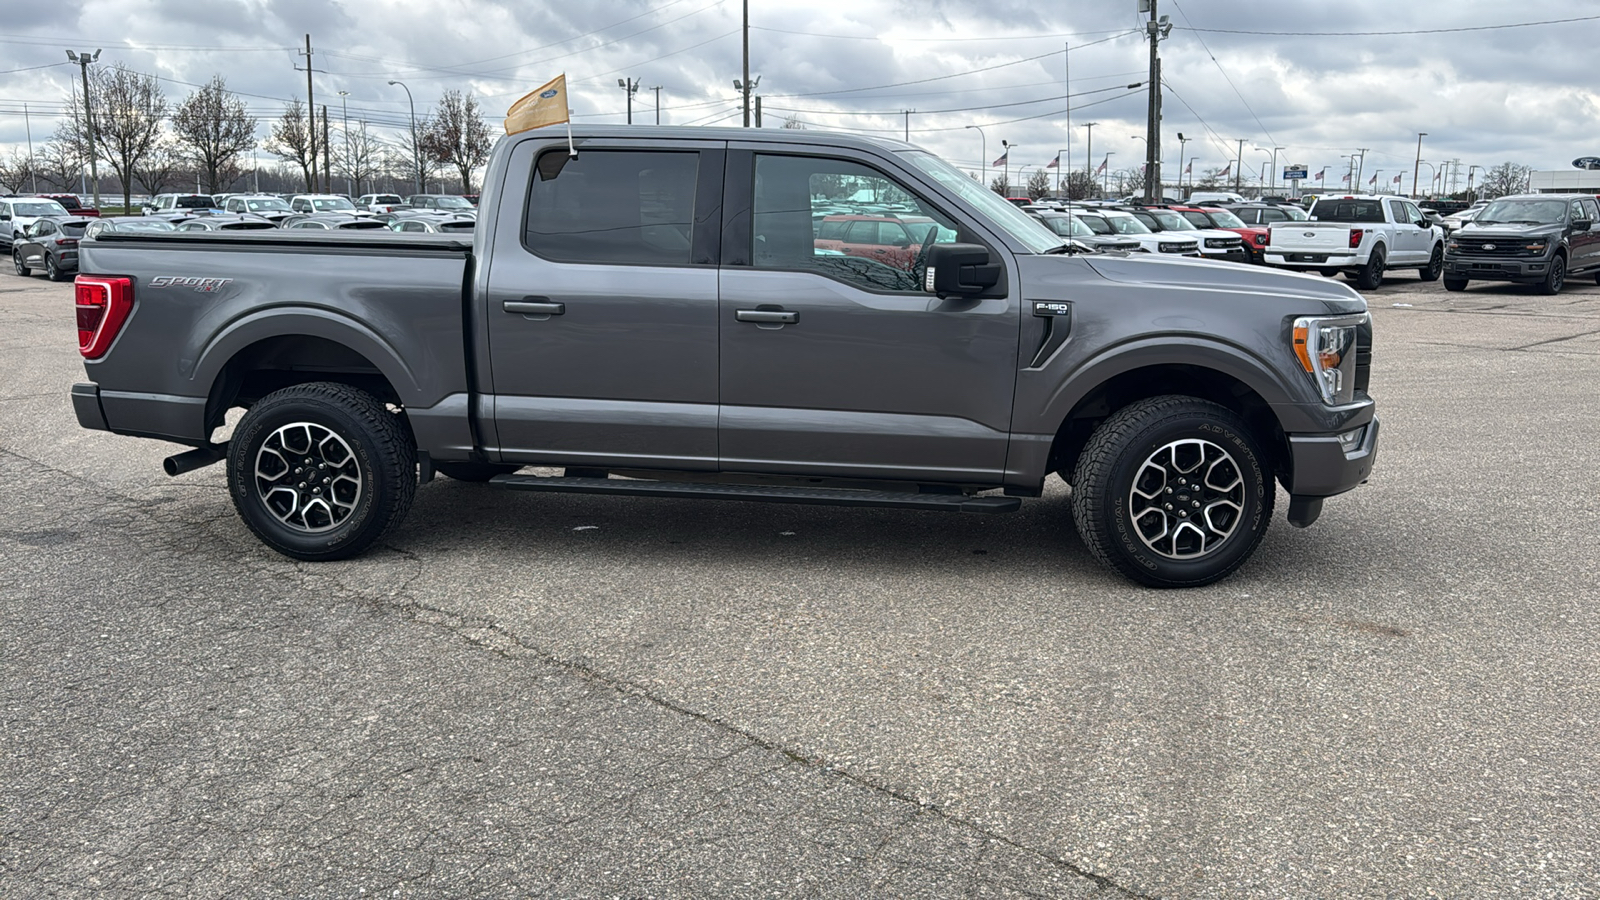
column 566, row 695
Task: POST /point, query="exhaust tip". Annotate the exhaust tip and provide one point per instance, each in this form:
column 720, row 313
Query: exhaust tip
column 198, row 458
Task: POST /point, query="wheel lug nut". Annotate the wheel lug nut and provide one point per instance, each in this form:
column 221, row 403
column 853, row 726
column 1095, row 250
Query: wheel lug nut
column 302, row 484
column 1184, row 513
column 1169, row 490
column 1169, row 506
column 1197, row 504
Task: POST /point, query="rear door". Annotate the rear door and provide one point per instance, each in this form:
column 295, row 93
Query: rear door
column 842, row 365
column 601, row 313
column 1585, row 245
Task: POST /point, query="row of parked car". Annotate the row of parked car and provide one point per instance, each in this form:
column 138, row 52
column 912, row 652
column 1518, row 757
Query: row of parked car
column 42, row 234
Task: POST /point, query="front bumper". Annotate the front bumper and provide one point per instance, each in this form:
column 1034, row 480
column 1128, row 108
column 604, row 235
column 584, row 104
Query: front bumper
column 1495, row 268
column 1322, row 467
column 1231, row 254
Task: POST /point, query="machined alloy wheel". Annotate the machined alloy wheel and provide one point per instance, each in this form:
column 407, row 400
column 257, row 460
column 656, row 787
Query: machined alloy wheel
column 51, row 270
column 1172, row 491
column 1187, row 498
column 321, row 471
column 307, row 477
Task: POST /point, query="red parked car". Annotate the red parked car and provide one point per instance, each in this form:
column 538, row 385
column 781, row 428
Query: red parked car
column 891, row 240
column 73, row 205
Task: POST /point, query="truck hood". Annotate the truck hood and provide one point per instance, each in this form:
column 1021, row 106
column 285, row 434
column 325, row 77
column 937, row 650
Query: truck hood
column 1508, row 229
column 1213, row 277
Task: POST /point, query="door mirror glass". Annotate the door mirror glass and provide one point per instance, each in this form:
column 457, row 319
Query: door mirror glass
column 1582, row 225
column 960, row 270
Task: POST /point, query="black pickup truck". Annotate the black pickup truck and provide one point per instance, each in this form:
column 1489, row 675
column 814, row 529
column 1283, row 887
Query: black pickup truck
column 655, row 314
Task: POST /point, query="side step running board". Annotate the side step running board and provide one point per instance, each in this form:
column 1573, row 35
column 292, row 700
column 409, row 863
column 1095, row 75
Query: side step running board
column 762, row 494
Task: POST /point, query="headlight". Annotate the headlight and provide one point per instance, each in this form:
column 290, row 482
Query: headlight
column 1326, row 349
column 1536, row 248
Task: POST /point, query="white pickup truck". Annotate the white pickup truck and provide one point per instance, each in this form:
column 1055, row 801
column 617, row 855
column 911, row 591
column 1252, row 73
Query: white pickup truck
column 1361, row 236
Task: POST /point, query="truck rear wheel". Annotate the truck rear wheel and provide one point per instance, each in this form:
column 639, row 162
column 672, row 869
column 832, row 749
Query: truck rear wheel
column 321, row 471
column 1171, row 492
column 1370, row 276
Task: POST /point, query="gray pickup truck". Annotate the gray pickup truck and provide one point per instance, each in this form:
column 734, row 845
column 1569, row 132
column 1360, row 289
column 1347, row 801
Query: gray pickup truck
column 655, row 315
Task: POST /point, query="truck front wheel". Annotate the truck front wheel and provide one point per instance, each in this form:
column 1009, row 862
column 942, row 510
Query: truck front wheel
column 1555, row 278
column 1455, row 284
column 1435, row 265
column 321, row 471
column 1171, row 492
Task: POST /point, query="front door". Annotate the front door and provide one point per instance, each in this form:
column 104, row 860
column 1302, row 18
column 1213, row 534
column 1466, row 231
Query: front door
column 601, row 311
column 841, row 365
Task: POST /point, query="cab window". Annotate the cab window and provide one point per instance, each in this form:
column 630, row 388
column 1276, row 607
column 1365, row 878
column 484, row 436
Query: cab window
column 614, row 206
column 879, row 253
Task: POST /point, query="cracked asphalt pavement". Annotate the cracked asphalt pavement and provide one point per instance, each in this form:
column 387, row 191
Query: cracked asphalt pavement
column 545, row 695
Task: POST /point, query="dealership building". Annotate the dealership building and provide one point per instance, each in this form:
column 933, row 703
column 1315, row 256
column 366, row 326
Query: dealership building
column 1565, row 181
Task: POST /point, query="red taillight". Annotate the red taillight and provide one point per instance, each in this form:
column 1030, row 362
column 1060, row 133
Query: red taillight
column 103, row 306
column 1355, row 237
column 67, row 242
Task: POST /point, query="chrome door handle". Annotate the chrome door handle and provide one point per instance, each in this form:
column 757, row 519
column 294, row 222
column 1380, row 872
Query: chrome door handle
column 768, row 316
column 534, row 307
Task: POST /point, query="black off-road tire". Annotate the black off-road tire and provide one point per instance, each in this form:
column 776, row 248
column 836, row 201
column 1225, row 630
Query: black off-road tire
column 1120, row 456
column 1435, row 266
column 1555, row 278
column 1370, row 276
column 16, row 261
column 349, row 436
column 471, row 471
column 1327, row 273
column 1455, row 284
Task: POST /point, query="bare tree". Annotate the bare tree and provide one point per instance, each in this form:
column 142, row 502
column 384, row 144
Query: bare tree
column 1506, row 178
column 457, row 135
column 17, row 173
column 129, row 108
column 1001, row 184
column 1080, row 185
column 360, row 157
column 399, row 160
column 156, row 171
column 1038, row 183
column 794, row 124
column 61, row 162
column 214, row 131
column 292, row 140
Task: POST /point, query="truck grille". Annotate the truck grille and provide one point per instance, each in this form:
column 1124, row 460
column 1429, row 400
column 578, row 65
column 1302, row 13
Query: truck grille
column 1222, row 243
column 1179, row 246
column 1485, row 246
column 1363, row 355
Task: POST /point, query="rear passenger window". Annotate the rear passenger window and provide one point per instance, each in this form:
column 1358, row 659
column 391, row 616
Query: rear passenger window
column 613, row 206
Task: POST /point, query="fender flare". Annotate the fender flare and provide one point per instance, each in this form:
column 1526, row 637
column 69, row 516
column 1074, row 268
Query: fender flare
column 292, row 321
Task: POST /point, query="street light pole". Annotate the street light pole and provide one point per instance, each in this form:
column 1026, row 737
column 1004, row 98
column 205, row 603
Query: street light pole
column 983, row 146
column 1181, row 142
column 83, row 60
column 1418, row 164
column 1361, row 165
column 631, row 86
column 1088, row 150
column 1008, row 145
column 1105, row 167
column 416, row 151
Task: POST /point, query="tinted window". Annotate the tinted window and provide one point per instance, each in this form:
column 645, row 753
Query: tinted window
column 832, row 230
column 1199, row 219
column 73, row 230
column 789, row 190
column 1347, row 211
column 1591, row 210
column 195, row 201
column 615, row 206
column 1097, row 225
column 1272, row 215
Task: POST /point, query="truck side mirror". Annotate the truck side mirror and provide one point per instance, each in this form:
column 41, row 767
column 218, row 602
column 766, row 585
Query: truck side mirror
column 1582, row 225
column 960, row 270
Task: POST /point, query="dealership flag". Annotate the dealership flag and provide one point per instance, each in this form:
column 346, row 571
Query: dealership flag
column 1225, row 170
column 1102, row 169
column 1374, row 179
column 1001, row 160
column 1345, row 178
column 1319, row 177
column 544, row 105
column 1052, row 163
column 1189, row 170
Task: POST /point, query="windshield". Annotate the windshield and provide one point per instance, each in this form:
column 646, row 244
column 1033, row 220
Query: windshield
column 1026, row 230
column 450, row 203
column 1225, row 219
column 195, row 201
column 142, row 225
column 1067, row 226
column 1128, row 225
column 1171, row 221
column 266, row 203
column 38, row 208
column 324, row 204
column 1525, row 212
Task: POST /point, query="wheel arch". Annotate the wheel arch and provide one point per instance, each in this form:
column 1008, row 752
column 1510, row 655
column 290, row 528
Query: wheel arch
column 275, row 349
column 1221, row 375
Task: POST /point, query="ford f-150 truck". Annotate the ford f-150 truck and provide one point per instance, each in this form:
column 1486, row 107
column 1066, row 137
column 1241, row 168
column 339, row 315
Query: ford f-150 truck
column 1362, row 236
column 652, row 314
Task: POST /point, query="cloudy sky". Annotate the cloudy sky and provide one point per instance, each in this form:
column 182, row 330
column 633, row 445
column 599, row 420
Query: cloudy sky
column 1299, row 75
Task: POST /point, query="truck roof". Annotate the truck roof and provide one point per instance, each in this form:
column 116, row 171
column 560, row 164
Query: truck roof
column 695, row 133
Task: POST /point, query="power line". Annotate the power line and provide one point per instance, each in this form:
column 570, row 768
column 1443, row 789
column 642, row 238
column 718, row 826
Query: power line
column 870, row 37
column 1226, row 78
column 896, row 112
column 1394, row 33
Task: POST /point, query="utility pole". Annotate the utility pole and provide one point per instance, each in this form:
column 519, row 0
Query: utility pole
column 1470, row 171
column 631, row 86
column 83, row 60
column 327, row 158
column 1238, row 167
column 1156, row 29
column 311, row 110
column 1455, row 172
column 33, row 169
column 657, row 89
column 744, row 85
column 758, row 110
column 1416, row 165
column 344, row 113
column 1361, row 166
column 908, row 113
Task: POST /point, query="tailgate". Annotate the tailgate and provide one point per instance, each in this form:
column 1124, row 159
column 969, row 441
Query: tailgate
column 1309, row 237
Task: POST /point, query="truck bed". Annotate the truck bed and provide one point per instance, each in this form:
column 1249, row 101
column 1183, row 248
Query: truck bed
column 205, row 299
